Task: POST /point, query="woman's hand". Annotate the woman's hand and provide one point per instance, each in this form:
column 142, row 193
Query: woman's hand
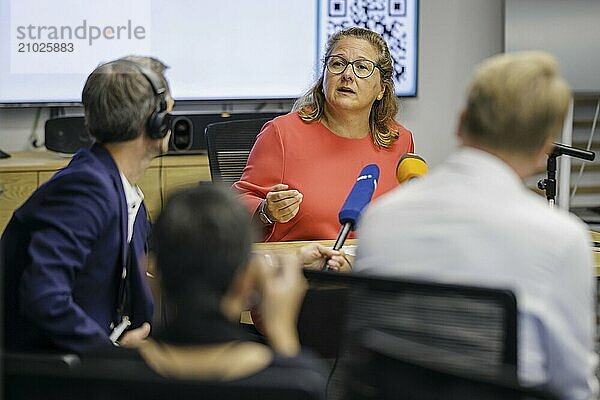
column 313, row 256
column 282, row 204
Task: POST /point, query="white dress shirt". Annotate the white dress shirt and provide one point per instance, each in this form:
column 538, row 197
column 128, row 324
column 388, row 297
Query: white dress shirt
column 472, row 221
column 134, row 198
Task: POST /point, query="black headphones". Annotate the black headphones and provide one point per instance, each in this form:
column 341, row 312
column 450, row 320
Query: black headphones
column 159, row 122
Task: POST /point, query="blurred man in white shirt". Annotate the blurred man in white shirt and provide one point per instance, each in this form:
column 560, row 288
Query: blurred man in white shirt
column 473, row 221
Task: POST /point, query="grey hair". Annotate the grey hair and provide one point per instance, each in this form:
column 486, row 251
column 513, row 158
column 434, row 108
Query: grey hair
column 118, row 99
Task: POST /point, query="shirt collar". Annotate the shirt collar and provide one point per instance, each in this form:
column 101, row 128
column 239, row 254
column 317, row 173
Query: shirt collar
column 133, row 193
column 480, row 164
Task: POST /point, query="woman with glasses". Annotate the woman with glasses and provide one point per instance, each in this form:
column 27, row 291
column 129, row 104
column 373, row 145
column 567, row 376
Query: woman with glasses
column 304, row 164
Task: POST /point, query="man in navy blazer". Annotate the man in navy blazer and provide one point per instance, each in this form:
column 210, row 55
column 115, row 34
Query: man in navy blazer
column 74, row 254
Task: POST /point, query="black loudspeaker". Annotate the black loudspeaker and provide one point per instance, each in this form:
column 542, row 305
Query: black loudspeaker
column 187, row 128
column 66, row 134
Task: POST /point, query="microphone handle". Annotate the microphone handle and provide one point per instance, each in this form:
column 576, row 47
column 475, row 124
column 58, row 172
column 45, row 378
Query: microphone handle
column 344, row 232
column 339, row 242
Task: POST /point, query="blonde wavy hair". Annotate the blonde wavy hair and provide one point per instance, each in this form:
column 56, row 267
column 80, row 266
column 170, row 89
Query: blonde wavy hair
column 311, row 105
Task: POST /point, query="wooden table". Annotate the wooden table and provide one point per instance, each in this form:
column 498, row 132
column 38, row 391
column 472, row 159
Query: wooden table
column 288, row 247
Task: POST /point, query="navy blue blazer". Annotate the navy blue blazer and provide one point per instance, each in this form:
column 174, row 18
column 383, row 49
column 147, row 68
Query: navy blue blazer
column 63, row 254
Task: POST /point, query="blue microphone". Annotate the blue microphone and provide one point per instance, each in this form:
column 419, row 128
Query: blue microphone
column 357, row 200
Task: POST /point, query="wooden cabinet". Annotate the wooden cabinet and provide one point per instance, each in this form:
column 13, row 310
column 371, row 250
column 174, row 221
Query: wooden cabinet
column 15, row 187
column 151, row 187
column 21, row 174
column 179, row 172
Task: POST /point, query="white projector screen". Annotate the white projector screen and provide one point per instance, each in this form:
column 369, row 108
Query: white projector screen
column 216, row 50
column 570, row 30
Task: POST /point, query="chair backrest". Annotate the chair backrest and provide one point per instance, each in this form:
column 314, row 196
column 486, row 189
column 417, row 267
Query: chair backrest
column 229, row 144
column 464, row 329
column 386, row 374
column 321, row 319
column 31, row 377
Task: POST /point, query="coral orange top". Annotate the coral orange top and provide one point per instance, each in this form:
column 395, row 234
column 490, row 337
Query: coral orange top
column 319, row 164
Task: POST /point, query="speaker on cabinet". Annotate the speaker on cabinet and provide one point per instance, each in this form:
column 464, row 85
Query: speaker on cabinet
column 187, row 129
column 68, row 134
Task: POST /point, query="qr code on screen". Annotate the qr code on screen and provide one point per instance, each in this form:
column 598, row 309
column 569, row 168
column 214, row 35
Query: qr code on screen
column 394, row 20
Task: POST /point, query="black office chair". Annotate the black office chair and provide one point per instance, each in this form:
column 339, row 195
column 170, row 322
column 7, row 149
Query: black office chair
column 20, row 372
column 46, row 377
column 387, row 373
column 466, row 334
column 321, row 319
column 229, row 144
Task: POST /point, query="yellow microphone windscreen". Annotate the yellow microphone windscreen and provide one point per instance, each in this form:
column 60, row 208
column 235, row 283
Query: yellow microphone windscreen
column 410, row 166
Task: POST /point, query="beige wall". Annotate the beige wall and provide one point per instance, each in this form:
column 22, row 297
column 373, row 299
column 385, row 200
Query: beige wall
column 454, row 36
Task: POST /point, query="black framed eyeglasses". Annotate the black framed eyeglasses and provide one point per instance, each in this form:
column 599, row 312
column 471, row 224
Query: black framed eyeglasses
column 362, row 68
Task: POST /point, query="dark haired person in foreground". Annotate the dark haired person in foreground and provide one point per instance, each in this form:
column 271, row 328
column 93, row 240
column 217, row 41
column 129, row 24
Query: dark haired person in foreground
column 202, row 243
column 74, row 252
column 473, row 221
